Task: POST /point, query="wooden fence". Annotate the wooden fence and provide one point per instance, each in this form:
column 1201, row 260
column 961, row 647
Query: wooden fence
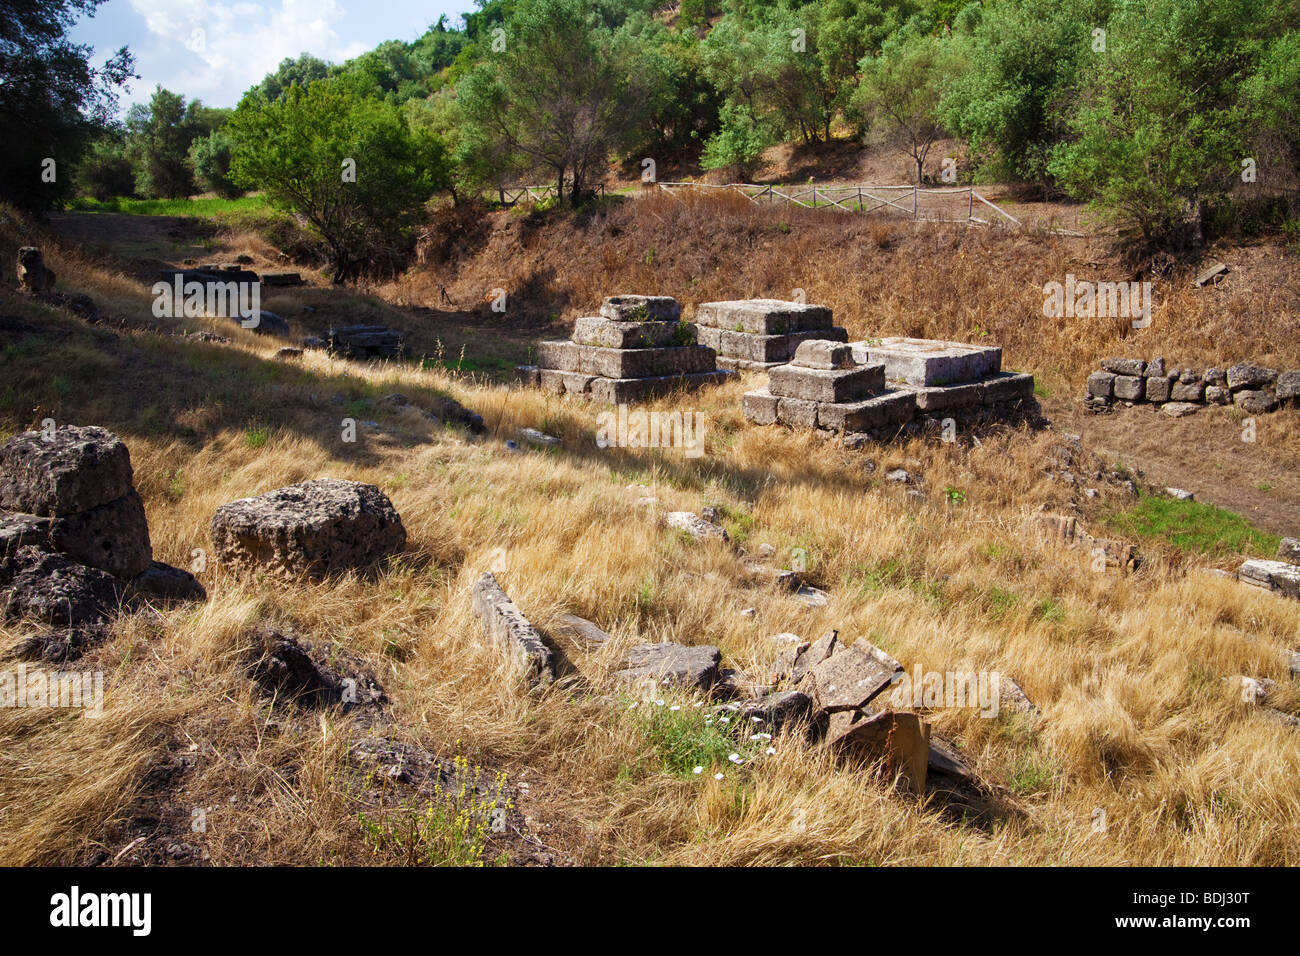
column 930, row 205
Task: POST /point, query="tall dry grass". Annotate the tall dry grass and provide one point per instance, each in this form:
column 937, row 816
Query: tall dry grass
column 1135, row 718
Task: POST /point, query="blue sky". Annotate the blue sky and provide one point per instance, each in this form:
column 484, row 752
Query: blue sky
column 216, row 50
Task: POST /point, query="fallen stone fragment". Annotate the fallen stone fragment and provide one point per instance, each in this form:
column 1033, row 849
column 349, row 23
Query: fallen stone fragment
column 811, row 596
column 1210, row 274
column 1277, row 576
column 777, row 710
column 67, row 471
column 850, row 678
column 1288, row 549
column 694, row 525
column 1249, row 375
column 1179, row 409
column 168, row 583
column 947, row 761
column 581, row 631
column 316, row 527
column 538, row 438
column 1012, row 698
column 672, row 663
column 898, row 476
column 1253, row 690
column 54, row 590
column 1180, row 494
column 297, row 670
column 903, row 739
column 505, row 624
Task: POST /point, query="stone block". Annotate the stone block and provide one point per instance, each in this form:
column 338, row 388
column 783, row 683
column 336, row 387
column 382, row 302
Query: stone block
column 759, row 407
column 1158, row 389
column 826, row 385
column 763, row 316
column 611, row 334
column 1129, row 388
column 1101, row 384
column 1124, row 366
column 1187, row 391
column 641, row 308
column 623, row 391
column 625, row 363
column 881, row 411
column 1288, row 385
column 1255, row 401
column 823, row 354
column 928, row 361
column 1008, row 387
column 505, row 624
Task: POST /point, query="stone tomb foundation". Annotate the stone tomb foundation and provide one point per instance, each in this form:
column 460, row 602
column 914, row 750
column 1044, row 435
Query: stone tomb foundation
column 762, row 333
column 637, row 348
column 881, row 387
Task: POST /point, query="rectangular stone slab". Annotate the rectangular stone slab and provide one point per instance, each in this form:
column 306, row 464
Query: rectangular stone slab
column 759, row 407
column 880, row 411
column 569, row 383
column 937, row 398
column 826, row 385
column 763, row 316
column 505, row 624
column 627, row 390
column 1272, row 576
column 611, row 334
column 639, row 308
column 1008, row 387
column 625, row 363
column 752, row 347
column 929, row 361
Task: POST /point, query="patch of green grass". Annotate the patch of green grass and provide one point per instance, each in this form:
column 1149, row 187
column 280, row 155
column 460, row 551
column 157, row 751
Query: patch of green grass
column 451, row 829
column 1049, row 609
column 1040, row 390
column 691, row 737
column 256, row 436
column 1033, row 774
column 170, row 207
column 1001, row 601
column 464, row 364
column 1193, row 527
column 955, row 496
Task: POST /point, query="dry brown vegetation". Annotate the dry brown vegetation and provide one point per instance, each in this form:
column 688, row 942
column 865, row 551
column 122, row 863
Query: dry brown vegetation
column 1127, row 671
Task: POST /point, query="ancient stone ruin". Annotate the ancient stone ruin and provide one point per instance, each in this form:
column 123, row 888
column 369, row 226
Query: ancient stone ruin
column 879, row 387
column 317, row 527
column 365, row 342
column 1130, row 381
column 74, row 542
column 637, row 348
column 762, row 333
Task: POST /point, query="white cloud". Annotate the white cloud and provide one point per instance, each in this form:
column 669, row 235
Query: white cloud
column 216, row 51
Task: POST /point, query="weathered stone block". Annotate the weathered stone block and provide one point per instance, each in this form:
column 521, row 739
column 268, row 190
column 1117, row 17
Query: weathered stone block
column 1124, row 366
column 759, row 407
column 1255, row 401
column 672, row 663
column 1217, row 395
column 113, row 537
column 823, row 354
column 1187, row 391
column 1101, row 384
column 506, row 625
column 1288, row 385
column 1155, row 368
column 1250, row 375
column 1008, row 387
column 763, row 316
column 564, row 383
column 797, row 412
column 611, row 334
column 761, row 349
column 315, row 527
column 640, row 308
column 1288, row 549
column 78, row 469
column 1129, row 388
column 1157, row 389
column 928, row 361
column 881, row 411
column 826, row 385
column 625, row 363
column 1272, row 576
column 942, row 397
column 620, row 391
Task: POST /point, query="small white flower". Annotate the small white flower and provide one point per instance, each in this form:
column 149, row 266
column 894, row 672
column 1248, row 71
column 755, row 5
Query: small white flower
column 757, row 720
column 771, row 750
column 659, row 703
column 724, row 720
column 735, row 758
column 717, row 776
column 697, row 771
column 675, row 707
column 698, row 703
column 633, row 707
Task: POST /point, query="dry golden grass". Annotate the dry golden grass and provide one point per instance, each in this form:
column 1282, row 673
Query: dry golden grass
column 1135, row 719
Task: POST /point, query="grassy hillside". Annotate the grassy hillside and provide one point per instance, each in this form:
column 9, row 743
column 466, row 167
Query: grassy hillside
column 1134, row 717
